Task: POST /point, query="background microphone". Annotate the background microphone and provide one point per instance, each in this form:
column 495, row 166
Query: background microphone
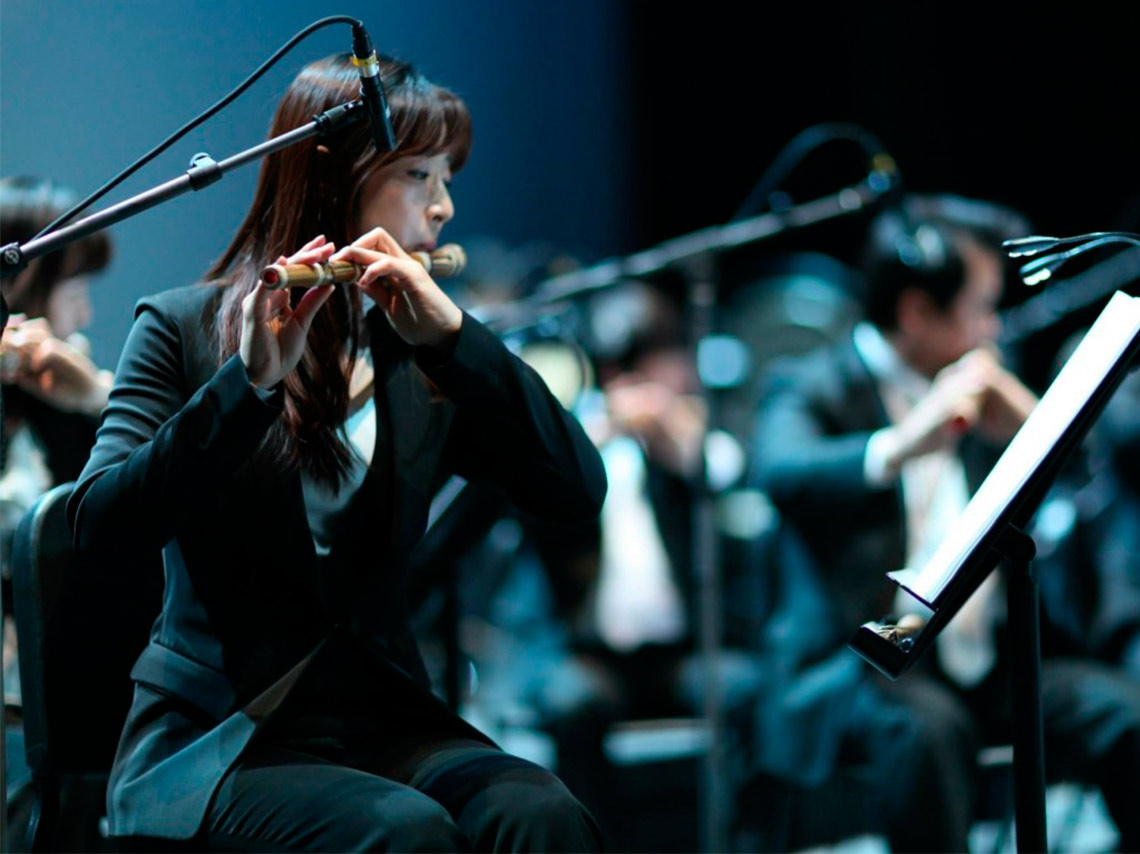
column 447, row 260
column 372, row 90
column 1044, row 266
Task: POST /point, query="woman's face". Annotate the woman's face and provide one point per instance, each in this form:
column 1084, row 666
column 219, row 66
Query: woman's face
column 68, row 307
column 409, row 198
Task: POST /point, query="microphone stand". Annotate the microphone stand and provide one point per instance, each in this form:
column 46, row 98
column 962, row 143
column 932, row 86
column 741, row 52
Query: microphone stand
column 675, row 253
column 694, row 256
column 203, row 171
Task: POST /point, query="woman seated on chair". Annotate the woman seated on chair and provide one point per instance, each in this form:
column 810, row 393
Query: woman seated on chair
column 282, row 448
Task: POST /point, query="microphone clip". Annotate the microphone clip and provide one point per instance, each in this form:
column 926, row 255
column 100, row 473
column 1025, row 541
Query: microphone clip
column 338, row 117
column 372, row 89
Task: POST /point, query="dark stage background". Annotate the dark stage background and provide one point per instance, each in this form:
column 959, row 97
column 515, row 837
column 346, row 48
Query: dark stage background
column 601, row 128
column 1032, row 108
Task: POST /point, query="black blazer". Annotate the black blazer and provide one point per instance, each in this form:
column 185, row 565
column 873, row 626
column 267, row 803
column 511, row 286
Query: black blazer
column 66, row 437
column 248, row 599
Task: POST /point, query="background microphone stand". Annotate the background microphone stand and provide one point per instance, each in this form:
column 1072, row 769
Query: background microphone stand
column 694, row 257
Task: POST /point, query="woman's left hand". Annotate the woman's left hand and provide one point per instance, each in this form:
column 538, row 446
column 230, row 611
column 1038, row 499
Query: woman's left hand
column 418, row 309
column 56, row 371
column 65, row 377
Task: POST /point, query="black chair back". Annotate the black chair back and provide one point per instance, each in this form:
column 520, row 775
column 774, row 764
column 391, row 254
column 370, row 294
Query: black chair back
column 80, row 627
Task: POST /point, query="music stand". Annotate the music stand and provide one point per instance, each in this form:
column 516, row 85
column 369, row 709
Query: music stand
column 991, row 530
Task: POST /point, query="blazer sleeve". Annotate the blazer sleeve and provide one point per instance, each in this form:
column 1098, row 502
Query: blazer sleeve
column 510, row 430
column 804, row 457
column 164, row 446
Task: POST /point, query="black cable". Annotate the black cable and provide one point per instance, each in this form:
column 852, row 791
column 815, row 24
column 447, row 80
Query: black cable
column 195, row 122
column 792, row 154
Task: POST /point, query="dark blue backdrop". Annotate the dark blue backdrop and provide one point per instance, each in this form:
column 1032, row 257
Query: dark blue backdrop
column 88, row 85
column 602, row 126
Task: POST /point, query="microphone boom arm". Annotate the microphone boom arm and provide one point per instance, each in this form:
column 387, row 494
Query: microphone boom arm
column 203, row 171
column 708, row 241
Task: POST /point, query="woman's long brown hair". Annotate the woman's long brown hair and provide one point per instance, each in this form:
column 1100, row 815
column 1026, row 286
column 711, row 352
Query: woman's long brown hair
column 314, row 188
column 27, row 204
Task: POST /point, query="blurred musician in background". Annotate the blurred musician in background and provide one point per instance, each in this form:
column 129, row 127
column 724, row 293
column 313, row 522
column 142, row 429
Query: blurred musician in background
column 51, row 393
column 869, row 448
column 1102, row 608
column 623, row 585
column 281, row 448
column 615, row 642
column 1116, row 613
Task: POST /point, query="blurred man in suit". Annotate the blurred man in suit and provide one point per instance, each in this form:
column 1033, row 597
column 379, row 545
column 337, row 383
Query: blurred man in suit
column 870, row 448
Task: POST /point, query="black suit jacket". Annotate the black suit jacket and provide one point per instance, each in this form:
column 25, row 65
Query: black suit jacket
column 66, row 437
column 248, row 599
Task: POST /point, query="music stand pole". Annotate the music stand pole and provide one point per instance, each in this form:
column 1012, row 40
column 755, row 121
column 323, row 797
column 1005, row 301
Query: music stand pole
column 1017, row 549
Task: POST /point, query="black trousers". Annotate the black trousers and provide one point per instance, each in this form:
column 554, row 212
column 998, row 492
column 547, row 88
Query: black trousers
column 907, row 751
column 1092, row 734
column 357, row 761
column 455, row 795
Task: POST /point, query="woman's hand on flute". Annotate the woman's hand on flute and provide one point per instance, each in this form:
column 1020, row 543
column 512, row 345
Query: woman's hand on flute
column 418, row 309
column 273, row 332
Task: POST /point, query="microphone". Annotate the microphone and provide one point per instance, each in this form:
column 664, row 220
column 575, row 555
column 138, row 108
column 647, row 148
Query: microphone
column 447, row 260
column 882, row 178
column 1044, row 266
column 372, row 90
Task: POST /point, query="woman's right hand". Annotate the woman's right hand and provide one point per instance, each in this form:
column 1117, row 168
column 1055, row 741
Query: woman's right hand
column 19, row 341
column 272, row 332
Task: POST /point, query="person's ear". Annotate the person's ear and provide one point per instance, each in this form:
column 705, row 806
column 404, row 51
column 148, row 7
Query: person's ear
column 322, row 166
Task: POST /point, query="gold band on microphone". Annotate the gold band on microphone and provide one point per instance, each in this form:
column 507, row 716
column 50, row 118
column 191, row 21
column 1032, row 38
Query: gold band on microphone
column 370, row 66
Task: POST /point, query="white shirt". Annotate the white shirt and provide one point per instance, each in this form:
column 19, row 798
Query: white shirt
column 935, row 493
column 636, row 599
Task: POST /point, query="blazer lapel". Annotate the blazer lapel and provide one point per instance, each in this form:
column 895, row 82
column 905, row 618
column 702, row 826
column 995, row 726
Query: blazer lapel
column 407, row 441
